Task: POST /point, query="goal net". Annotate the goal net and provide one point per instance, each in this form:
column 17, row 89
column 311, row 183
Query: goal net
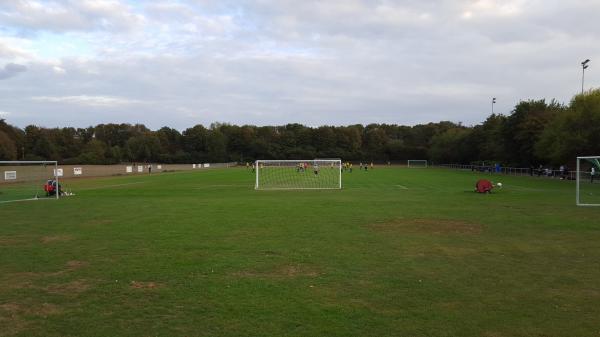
column 25, row 180
column 298, row 174
column 588, row 182
column 416, row 163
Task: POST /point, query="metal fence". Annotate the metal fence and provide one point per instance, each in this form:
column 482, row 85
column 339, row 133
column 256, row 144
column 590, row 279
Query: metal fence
column 514, row 171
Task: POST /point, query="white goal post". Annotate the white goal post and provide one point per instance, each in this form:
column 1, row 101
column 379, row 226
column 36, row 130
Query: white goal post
column 314, row 174
column 416, row 163
column 587, row 188
column 26, row 180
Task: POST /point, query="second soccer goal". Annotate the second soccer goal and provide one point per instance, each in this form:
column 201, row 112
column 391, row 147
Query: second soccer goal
column 298, row 174
column 28, row 180
column 587, row 184
column 416, row 163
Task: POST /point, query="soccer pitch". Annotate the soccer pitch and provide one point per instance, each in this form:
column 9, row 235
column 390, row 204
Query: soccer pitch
column 396, row 252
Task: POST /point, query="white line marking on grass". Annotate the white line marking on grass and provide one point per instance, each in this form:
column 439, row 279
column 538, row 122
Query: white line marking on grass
column 214, row 186
column 30, row 199
column 529, row 189
column 402, row 187
column 110, row 186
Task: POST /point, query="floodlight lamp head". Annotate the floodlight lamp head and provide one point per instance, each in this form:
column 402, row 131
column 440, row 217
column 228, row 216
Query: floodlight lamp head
column 585, row 62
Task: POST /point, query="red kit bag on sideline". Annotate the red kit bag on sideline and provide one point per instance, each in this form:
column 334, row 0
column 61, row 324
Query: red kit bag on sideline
column 483, row 186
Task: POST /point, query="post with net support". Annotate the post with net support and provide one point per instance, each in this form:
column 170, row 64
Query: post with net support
column 256, row 172
column 56, row 179
column 340, row 174
column 577, row 183
column 587, row 185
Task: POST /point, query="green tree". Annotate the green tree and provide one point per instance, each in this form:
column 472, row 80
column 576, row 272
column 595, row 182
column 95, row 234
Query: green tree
column 491, row 139
column 524, row 127
column 575, row 132
column 94, row 152
column 144, row 147
column 216, row 146
column 452, row 146
column 194, row 142
column 8, row 148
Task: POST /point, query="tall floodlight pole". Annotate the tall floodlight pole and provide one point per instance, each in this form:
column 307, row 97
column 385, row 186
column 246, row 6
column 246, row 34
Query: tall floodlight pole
column 584, row 66
column 493, row 102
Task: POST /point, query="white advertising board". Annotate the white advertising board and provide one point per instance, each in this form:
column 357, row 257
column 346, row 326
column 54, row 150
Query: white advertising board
column 10, row 175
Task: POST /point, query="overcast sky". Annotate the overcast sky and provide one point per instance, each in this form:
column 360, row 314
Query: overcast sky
column 266, row 62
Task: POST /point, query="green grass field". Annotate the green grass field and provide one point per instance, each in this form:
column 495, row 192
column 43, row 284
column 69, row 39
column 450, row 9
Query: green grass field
column 397, row 252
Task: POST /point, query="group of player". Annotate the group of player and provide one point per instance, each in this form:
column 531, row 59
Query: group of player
column 300, row 167
column 253, row 166
column 347, row 166
column 304, row 166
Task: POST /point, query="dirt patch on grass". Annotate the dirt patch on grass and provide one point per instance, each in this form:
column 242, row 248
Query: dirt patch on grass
column 34, row 280
column 13, row 316
column 29, row 279
column 295, row 271
column 144, row 285
column 285, row 271
column 75, row 264
column 429, row 226
column 10, row 321
column 9, row 307
column 495, row 334
column 56, row 238
column 15, row 310
column 74, row 287
column 18, row 280
column 44, row 310
column 13, row 240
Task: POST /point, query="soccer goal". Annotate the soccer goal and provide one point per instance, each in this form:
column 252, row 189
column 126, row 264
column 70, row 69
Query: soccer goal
column 588, row 184
column 416, row 163
column 27, row 180
column 313, row 174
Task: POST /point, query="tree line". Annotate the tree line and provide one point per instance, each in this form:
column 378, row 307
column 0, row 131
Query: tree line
column 535, row 132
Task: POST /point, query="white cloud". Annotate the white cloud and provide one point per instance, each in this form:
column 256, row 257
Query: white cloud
column 85, row 100
column 59, row 70
column 11, row 70
column 69, row 15
column 279, row 61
